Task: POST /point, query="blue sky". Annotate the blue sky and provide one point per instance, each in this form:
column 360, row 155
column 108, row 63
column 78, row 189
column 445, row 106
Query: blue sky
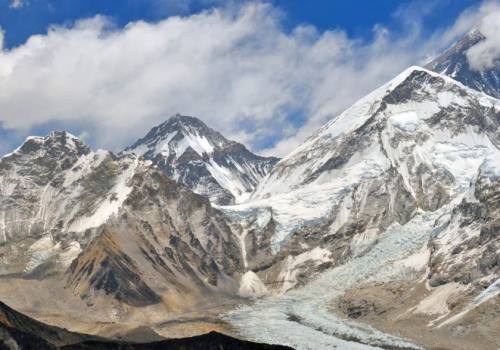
column 359, row 17
column 264, row 73
column 356, row 17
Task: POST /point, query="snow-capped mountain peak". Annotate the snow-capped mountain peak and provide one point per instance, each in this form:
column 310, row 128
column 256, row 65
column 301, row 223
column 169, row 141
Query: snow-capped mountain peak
column 454, row 63
column 176, row 135
column 406, row 102
column 190, row 152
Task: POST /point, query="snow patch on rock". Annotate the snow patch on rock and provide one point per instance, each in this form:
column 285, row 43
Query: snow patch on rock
column 110, row 205
column 407, row 121
column 289, row 272
column 436, row 302
column 251, row 286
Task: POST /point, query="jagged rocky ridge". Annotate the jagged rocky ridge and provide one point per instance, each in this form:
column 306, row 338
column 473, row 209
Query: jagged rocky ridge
column 109, row 226
column 202, row 159
column 16, row 328
column 454, row 63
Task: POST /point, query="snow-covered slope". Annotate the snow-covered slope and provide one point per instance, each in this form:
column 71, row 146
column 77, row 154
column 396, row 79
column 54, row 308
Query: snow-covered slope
column 202, row 159
column 414, row 106
column 412, row 145
column 455, row 64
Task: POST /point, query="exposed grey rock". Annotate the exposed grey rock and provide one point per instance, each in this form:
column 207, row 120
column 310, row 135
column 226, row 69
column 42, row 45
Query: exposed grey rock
column 354, row 308
column 114, row 226
column 469, row 248
column 438, row 280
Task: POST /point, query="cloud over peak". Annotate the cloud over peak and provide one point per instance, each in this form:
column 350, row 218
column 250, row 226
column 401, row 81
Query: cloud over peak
column 486, row 54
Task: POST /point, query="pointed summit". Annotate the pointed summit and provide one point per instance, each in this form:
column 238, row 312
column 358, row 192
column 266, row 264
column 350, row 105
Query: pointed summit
column 174, row 136
column 454, row 63
column 201, row 158
column 185, row 124
column 187, row 121
column 412, row 104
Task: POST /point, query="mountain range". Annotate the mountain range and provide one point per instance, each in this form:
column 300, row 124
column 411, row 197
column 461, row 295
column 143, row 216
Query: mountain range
column 381, row 230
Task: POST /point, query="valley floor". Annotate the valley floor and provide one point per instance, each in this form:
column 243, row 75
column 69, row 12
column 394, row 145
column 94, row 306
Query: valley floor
column 302, row 317
column 55, row 307
column 372, row 288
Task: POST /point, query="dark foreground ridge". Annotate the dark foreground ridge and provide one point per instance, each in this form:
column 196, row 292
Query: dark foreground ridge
column 209, row 341
column 20, row 332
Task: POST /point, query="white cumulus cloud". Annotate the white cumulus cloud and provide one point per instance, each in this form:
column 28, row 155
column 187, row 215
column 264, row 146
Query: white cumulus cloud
column 237, row 69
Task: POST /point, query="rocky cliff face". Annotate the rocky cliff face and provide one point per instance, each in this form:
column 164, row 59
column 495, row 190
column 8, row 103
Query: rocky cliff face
column 202, row 159
column 467, row 251
column 113, row 226
column 167, row 240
